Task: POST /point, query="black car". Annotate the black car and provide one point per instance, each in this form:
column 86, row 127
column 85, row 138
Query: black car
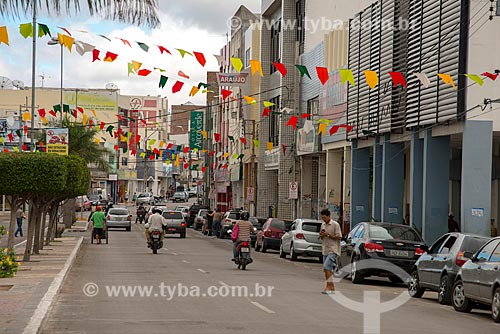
column 437, row 268
column 193, row 212
column 397, row 244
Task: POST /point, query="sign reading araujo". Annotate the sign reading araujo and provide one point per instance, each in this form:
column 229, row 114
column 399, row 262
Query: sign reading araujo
column 293, row 190
column 57, row 141
column 195, row 136
column 232, row 79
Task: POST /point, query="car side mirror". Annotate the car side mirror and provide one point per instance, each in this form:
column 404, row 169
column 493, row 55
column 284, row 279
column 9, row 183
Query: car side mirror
column 469, row 255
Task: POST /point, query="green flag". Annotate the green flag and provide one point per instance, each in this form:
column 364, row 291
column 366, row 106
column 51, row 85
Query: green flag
column 110, row 130
column 66, row 107
column 43, row 30
column 130, row 68
column 57, row 108
column 163, row 81
column 184, row 52
column 303, row 70
column 143, row 46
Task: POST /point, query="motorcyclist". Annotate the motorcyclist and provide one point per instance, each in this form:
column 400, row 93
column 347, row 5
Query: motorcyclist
column 245, row 228
column 155, row 223
column 141, row 213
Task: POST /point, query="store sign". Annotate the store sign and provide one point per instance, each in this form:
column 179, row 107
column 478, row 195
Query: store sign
column 306, row 142
column 91, row 100
column 293, row 190
column 232, row 79
column 57, row 141
column 196, row 126
column 272, row 159
column 9, row 126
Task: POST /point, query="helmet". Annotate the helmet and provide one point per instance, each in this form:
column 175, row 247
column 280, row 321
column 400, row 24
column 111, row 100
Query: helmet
column 158, row 211
column 244, row 215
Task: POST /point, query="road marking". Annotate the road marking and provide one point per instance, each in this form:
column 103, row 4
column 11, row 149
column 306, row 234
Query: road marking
column 262, row 307
column 185, row 261
column 202, row 271
column 175, row 254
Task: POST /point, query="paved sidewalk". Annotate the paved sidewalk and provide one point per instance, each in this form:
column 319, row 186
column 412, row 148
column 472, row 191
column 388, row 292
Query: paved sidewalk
column 26, row 299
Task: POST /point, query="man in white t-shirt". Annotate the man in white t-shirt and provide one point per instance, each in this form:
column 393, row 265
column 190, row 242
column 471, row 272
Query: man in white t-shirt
column 331, row 235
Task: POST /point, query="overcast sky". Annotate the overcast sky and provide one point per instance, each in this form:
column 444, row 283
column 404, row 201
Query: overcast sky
column 193, row 25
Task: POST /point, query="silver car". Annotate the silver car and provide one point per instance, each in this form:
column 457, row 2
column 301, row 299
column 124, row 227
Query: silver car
column 119, row 217
column 478, row 281
column 145, row 198
column 302, row 240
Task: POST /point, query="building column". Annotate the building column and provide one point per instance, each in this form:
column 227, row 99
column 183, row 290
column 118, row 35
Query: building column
column 347, row 209
column 477, row 155
column 360, row 184
column 377, row 180
column 334, row 180
column 436, row 176
column 393, row 183
column 416, row 181
column 305, row 199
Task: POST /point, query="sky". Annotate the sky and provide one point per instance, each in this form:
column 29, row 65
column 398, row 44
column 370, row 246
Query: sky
column 192, row 25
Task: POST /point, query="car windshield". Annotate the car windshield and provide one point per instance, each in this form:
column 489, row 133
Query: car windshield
column 118, row 212
column 93, row 197
column 234, row 215
column 472, row 244
column 179, row 194
column 278, row 224
column 144, row 195
column 397, row 232
column 311, row 227
column 202, row 212
column 172, row 215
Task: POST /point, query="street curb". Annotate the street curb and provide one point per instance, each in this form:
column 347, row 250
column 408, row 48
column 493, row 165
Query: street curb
column 45, row 305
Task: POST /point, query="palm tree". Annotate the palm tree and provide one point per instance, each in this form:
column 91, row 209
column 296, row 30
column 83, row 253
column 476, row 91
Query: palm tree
column 138, row 12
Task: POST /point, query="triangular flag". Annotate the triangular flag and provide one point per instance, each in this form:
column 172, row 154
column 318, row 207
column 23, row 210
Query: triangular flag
column 26, row 117
column 281, row 68
column 235, row 156
column 95, row 55
column 124, row 41
column 186, row 149
column 200, row 57
column 334, row 129
column 293, row 122
column 4, row 35
column 226, row 155
column 322, row 128
column 110, row 57
column 130, row 68
column 184, row 52
column 398, row 79
column 144, row 72
column 303, row 71
column 284, row 148
column 82, row 48
column 424, row 79
column 256, row 143
column 226, row 93
column 204, row 134
column 266, row 112
column 231, row 138
column 53, row 113
column 256, row 67
column 270, row 146
column 44, row 120
column 243, row 140
column 268, row 104
column 68, row 42
column 250, row 100
column 162, row 49
column 476, row 78
column 304, row 116
column 237, row 64
column 216, row 137
column 211, row 153
column 41, row 112
column 137, row 65
column 194, row 91
column 322, row 74
column 43, row 30
column 102, row 125
column 143, row 46
column 371, row 78
column 490, row 75
column 163, row 81
column 203, row 169
column 84, row 119
column 447, row 79
column 183, row 75
column 346, row 76
column 348, row 127
column 177, row 87
column 26, row 30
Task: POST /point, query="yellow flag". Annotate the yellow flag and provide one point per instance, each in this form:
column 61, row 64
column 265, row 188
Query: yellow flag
column 256, row 67
column 161, row 143
column 176, row 163
column 194, row 91
column 123, row 138
column 4, row 35
column 447, row 79
column 204, row 134
column 270, row 146
column 204, row 151
column 371, row 78
column 93, row 112
column 347, row 76
column 97, row 140
column 236, row 155
column 321, row 128
column 250, row 100
column 256, row 143
column 16, row 149
column 476, row 78
column 136, row 65
column 26, row 117
column 84, row 119
column 68, row 42
column 268, row 104
column 237, row 64
column 61, row 38
column 225, row 155
column 2, row 140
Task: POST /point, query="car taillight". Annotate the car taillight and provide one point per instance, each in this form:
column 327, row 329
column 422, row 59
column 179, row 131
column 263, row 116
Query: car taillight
column 267, row 233
column 299, row 236
column 244, row 244
column 183, row 224
column 371, row 247
column 461, row 259
column 108, row 217
column 419, row 252
column 129, row 218
column 228, row 220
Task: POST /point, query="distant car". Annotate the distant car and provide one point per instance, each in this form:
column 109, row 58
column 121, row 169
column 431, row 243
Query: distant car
column 270, row 235
column 145, row 198
column 193, row 212
column 302, row 240
column 198, row 220
column 437, row 268
column 193, row 193
column 395, row 243
column 120, row 218
column 175, row 223
column 184, row 210
column 97, row 200
column 478, row 281
column 150, row 211
column 229, row 219
column 180, row 196
column 82, row 203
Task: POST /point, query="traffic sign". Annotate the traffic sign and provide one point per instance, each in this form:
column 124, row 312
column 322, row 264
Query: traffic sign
column 251, row 194
column 293, row 190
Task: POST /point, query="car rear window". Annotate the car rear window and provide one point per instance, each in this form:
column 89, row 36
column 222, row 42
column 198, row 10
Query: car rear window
column 234, row 216
column 311, row 227
column 278, row 224
column 172, row 215
column 143, row 195
column 118, row 212
column 472, row 244
column 393, row 232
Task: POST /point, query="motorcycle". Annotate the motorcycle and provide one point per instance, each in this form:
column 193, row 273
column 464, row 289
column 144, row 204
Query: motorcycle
column 156, row 242
column 243, row 258
column 141, row 216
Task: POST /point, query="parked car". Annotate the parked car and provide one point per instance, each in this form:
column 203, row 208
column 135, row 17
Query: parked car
column 193, row 211
column 436, row 269
column 119, row 217
column 228, row 221
column 82, row 203
column 180, row 196
column 302, row 240
column 175, row 223
column 198, row 220
column 270, row 235
column 145, row 198
column 150, row 211
column 184, row 210
column 257, row 226
column 394, row 243
column 478, row 281
column 97, row 200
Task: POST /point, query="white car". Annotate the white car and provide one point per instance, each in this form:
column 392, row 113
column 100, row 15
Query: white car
column 200, row 217
column 182, row 209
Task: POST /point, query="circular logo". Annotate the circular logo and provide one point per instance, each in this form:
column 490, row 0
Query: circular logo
column 90, row 289
column 135, row 103
column 234, row 23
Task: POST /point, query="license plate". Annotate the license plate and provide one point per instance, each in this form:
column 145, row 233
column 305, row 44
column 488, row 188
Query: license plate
column 171, row 229
column 245, row 250
column 398, row 253
column 156, row 237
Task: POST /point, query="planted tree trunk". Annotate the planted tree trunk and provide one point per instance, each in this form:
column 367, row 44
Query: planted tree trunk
column 36, row 237
column 43, row 225
column 14, row 203
column 30, row 234
column 52, row 223
column 69, row 213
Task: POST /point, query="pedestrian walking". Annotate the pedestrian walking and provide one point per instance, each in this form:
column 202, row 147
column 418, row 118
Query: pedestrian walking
column 98, row 224
column 330, row 235
column 210, row 221
column 216, row 223
column 19, row 218
column 134, row 198
column 126, row 197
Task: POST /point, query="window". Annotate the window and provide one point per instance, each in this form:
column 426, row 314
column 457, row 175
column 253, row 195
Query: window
column 437, row 245
column 353, row 231
column 390, row 232
column 311, row 227
column 300, row 7
column 248, row 55
column 359, row 233
column 278, row 224
column 448, row 244
column 118, row 212
column 495, row 257
column 313, row 107
column 472, row 244
column 172, row 215
column 485, row 253
column 275, row 44
column 274, row 122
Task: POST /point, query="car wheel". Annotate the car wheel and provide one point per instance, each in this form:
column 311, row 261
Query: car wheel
column 264, row 246
column 414, row 289
column 460, row 302
column 257, row 246
column 444, row 295
column 495, row 305
column 356, row 276
column 320, row 259
column 293, row 254
column 282, row 252
column 129, row 228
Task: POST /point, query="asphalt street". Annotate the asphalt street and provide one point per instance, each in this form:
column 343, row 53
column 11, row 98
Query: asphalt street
column 291, row 301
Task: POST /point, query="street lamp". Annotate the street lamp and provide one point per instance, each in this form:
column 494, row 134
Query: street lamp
column 55, row 41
